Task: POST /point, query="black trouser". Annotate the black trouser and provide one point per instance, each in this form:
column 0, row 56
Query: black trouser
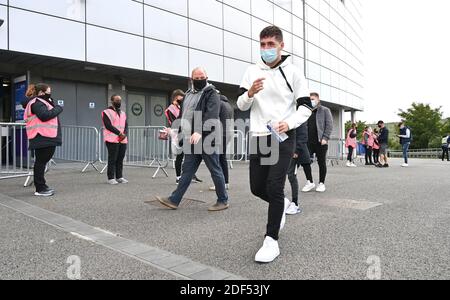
column 321, row 154
column 224, row 162
column 445, row 153
column 308, row 172
column 179, row 164
column 267, row 181
column 43, row 156
column 350, row 154
column 116, row 155
column 295, row 164
column 369, row 155
column 376, row 156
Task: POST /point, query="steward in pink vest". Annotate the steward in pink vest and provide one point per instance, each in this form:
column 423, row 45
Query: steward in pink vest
column 118, row 120
column 351, row 141
column 43, row 132
column 35, row 126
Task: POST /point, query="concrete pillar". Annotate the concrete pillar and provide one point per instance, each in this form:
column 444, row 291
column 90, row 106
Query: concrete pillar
column 353, row 116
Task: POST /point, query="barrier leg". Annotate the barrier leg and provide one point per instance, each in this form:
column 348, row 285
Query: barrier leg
column 160, row 167
column 104, row 169
column 28, row 181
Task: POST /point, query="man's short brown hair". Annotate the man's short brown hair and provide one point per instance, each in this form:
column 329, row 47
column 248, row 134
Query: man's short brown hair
column 315, row 95
column 272, row 31
column 177, row 93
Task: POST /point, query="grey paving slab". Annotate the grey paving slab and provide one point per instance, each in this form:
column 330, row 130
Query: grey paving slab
column 170, row 261
column 189, row 268
column 153, row 255
column 210, row 274
column 136, row 249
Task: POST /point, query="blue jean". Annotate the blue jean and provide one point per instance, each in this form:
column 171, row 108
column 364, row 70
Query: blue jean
column 406, row 151
column 190, row 167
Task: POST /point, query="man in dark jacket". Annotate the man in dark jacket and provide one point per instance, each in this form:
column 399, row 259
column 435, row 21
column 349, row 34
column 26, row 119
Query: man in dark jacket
column 199, row 122
column 226, row 116
column 302, row 158
column 173, row 113
column 383, row 140
column 320, row 128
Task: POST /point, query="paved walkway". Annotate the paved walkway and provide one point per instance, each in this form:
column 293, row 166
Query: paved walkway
column 390, row 223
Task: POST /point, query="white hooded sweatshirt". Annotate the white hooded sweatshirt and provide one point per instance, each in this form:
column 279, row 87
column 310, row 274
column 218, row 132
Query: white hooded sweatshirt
column 277, row 102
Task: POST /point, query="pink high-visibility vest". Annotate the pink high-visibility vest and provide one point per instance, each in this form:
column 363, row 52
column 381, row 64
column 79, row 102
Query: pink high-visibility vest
column 350, row 142
column 371, row 140
column 117, row 121
column 35, row 126
column 376, row 145
column 175, row 112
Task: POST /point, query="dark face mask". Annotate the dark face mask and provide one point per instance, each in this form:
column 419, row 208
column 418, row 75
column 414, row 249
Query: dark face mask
column 117, row 105
column 200, row 84
column 46, row 96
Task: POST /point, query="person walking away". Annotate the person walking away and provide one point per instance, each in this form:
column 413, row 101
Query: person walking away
column 383, row 139
column 227, row 120
column 271, row 89
column 320, row 128
column 43, row 129
column 445, row 147
column 376, row 147
column 201, row 108
column 405, row 140
column 350, row 144
column 173, row 112
column 301, row 158
column 115, row 137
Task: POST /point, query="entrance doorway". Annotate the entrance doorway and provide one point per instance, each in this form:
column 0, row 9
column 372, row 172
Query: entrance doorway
column 146, row 109
column 5, row 99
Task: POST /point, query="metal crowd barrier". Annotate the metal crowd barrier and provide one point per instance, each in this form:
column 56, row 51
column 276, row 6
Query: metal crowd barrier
column 145, row 149
column 80, row 144
column 15, row 158
column 335, row 151
column 236, row 151
column 418, row 153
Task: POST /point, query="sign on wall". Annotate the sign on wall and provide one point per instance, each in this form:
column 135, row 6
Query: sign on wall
column 20, row 90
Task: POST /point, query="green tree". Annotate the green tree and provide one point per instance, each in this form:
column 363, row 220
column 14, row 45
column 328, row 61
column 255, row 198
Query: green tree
column 445, row 127
column 425, row 123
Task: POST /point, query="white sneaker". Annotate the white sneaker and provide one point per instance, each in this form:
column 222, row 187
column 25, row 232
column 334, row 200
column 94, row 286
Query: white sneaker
column 405, row 165
column 113, row 182
column 308, row 187
column 321, row 188
column 293, row 209
column 349, row 164
column 353, row 165
column 287, row 203
column 122, row 180
column 213, row 188
column 269, row 251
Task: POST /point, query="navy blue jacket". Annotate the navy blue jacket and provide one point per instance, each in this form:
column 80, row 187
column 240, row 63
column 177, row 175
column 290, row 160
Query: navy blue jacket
column 384, row 136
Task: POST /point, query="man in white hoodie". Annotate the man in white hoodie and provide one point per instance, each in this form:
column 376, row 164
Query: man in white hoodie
column 277, row 94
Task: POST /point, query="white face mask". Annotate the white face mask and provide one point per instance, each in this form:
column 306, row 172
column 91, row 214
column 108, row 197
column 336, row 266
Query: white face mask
column 315, row 103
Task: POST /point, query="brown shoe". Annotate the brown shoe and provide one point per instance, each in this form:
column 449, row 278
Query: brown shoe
column 167, row 203
column 219, row 206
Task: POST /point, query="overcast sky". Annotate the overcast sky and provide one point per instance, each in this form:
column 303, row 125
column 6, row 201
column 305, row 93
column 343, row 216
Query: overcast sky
column 407, row 56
